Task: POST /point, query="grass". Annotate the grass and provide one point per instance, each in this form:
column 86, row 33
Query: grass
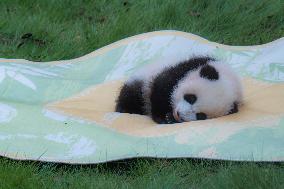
column 142, row 173
column 45, row 30
column 64, row 29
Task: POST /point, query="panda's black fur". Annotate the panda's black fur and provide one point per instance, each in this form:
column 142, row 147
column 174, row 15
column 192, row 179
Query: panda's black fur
column 131, row 100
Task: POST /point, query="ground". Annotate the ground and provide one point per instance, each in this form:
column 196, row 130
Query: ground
column 47, row 30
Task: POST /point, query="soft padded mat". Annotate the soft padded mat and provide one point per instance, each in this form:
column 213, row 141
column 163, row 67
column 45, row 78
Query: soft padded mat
column 62, row 111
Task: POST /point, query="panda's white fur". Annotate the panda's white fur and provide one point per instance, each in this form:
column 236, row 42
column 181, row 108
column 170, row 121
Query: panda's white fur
column 214, row 97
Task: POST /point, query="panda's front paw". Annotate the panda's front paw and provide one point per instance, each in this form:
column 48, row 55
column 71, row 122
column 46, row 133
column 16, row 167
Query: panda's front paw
column 159, row 120
column 170, row 118
column 167, row 119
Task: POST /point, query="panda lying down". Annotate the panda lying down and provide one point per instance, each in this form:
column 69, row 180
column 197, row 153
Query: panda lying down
column 197, row 88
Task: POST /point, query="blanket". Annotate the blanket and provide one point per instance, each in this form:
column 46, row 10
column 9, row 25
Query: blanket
column 63, row 111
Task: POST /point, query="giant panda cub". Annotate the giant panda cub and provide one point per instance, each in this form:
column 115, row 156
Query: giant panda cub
column 195, row 88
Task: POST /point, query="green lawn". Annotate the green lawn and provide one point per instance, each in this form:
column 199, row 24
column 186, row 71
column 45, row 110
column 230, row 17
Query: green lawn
column 45, row 30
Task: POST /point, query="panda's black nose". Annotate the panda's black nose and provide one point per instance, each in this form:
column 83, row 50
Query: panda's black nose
column 190, row 98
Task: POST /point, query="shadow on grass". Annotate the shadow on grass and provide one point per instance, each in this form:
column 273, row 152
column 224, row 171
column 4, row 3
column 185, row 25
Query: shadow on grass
column 128, row 164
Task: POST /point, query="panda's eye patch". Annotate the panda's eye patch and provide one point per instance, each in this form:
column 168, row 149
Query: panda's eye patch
column 201, row 116
column 190, row 98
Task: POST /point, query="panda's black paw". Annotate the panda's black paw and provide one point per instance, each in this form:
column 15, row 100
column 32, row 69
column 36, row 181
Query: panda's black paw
column 234, row 108
column 170, row 118
column 167, row 119
column 159, row 120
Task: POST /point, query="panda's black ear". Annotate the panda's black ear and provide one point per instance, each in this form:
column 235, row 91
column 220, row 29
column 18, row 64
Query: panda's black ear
column 234, row 108
column 209, row 72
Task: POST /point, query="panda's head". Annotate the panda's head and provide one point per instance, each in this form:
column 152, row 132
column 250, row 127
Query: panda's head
column 210, row 91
